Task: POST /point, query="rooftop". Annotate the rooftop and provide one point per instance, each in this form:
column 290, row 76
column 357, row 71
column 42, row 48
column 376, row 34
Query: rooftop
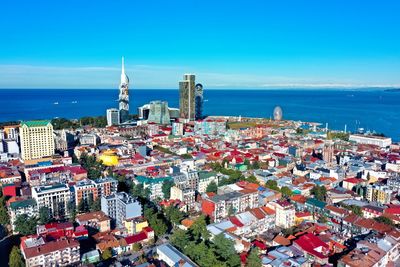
column 38, row 123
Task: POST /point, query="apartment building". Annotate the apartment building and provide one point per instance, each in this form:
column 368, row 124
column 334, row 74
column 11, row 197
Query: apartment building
column 120, row 207
column 55, row 197
column 284, row 213
column 94, row 188
column 37, row 252
column 378, row 193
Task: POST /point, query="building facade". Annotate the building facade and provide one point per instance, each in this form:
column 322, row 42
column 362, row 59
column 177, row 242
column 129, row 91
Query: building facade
column 55, row 197
column 36, row 139
column 123, row 99
column 285, row 214
column 187, row 97
column 120, row 207
column 159, row 112
column 380, row 194
column 37, row 252
column 112, row 116
column 199, row 101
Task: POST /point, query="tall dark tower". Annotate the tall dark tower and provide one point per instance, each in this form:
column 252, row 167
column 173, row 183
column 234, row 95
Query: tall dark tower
column 186, row 97
column 198, row 101
column 123, row 95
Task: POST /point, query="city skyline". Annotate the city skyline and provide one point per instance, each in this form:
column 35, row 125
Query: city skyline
column 227, row 45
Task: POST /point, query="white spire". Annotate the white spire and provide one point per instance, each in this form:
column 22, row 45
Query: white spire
column 124, row 77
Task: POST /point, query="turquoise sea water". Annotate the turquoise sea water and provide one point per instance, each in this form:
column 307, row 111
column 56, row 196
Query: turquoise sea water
column 370, row 109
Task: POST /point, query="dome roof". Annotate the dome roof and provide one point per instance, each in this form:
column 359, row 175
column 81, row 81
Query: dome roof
column 109, row 158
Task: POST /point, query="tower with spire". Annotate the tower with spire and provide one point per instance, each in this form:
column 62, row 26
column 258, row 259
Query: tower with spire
column 123, row 95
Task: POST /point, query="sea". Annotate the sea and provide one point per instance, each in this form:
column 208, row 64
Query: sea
column 371, row 109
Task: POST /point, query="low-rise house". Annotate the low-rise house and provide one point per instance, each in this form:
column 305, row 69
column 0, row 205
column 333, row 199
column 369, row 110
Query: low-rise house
column 97, row 220
column 173, row 257
column 314, row 249
column 371, row 211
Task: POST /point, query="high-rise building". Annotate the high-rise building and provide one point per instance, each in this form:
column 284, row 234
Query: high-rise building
column 159, row 112
column 120, row 207
column 112, row 116
column 36, row 139
column 123, row 96
column 187, row 96
column 199, row 101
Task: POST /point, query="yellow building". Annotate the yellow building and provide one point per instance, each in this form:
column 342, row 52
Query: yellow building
column 135, row 225
column 36, row 139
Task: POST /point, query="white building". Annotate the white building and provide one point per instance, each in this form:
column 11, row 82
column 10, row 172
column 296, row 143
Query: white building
column 284, row 212
column 206, row 178
column 10, row 146
column 55, row 197
column 112, row 116
column 38, row 252
column 26, row 206
column 371, row 140
column 120, row 207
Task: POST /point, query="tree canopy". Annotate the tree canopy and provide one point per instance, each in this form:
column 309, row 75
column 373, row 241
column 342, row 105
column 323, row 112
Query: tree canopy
column 25, row 225
column 16, row 259
column 166, row 188
column 253, row 260
column 212, row 187
column 319, row 192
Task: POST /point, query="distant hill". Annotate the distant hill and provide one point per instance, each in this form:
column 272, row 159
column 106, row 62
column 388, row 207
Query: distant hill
column 392, row 90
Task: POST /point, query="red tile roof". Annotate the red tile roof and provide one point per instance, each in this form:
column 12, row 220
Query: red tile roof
column 310, row 242
column 135, row 238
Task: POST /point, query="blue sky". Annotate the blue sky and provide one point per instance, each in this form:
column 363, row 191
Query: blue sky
column 228, row 44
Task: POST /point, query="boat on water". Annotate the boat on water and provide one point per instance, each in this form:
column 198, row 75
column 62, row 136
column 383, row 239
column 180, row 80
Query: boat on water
column 55, row 103
column 74, row 102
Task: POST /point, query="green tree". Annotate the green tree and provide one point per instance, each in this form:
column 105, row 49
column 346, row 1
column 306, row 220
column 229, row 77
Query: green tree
column 156, row 220
column 199, row 229
column 25, row 225
column 72, row 211
column 256, row 165
column 136, row 247
column 4, row 217
column 173, row 214
column 253, row 260
column 139, row 191
column 93, row 167
column 96, row 205
column 166, row 188
column 16, row 259
column 272, row 184
column 234, row 260
column 212, row 187
column 223, row 246
column 44, row 215
column 385, row 220
column 252, row 179
column 107, row 254
column 286, row 191
column 319, row 192
column 180, row 239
